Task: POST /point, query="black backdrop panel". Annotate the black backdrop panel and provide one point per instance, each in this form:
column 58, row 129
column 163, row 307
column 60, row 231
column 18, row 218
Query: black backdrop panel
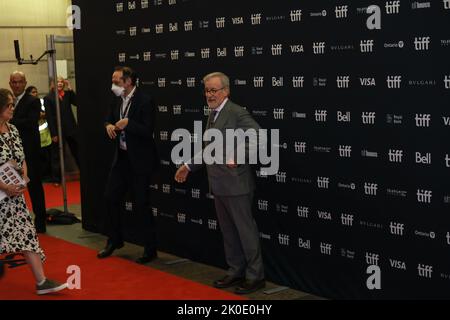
column 362, row 113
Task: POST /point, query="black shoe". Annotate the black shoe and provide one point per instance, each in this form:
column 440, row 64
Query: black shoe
column 250, row 286
column 228, row 281
column 109, row 249
column 2, row 269
column 147, row 257
column 40, row 227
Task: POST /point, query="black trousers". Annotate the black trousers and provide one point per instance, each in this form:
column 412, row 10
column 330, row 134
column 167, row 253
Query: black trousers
column 36, row 190
column 123, row 179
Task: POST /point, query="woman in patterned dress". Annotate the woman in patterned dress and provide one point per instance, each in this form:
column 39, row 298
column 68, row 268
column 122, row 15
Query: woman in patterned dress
column 17, row 232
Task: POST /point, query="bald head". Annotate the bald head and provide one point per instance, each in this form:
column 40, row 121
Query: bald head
column 17, row 82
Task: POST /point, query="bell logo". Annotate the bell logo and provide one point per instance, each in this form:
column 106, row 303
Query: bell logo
column 221, row 52
column 366, row 46
column 277, row 49
column 368, row 117
column 318, row 47
column 421, row 43
column 374, row 280
column 296, row 15
column 394, row 82
column 277, row 82
column 395, row 155
column 188, row 25
column 74, row 280
column 374, row 21
column 173, row 27
column 256, row 18
column 392, row 7
column 220, row 22
column 341, row 12
column 343, row 117
column 74, row 17
column 423, row 159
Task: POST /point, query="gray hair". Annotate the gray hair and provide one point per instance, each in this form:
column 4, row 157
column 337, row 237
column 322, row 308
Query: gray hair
column 20, row 73
column 223, row 78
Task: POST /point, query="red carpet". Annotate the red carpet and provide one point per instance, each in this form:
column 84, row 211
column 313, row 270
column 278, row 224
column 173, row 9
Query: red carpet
column 54, row 195
column 111, row 278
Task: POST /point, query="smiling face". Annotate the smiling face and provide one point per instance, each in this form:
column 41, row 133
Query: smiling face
column 215, row 92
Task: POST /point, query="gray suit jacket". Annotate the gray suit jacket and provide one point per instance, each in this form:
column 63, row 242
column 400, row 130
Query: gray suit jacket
column 226, row 181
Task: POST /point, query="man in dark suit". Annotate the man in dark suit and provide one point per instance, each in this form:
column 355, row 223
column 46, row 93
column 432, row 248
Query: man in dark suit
column 130, row 124
column 26, row 119
column 232, row 185
column 69, row 126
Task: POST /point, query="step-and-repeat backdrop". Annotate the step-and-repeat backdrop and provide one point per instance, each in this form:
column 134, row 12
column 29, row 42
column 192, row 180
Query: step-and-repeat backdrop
column 360, row 91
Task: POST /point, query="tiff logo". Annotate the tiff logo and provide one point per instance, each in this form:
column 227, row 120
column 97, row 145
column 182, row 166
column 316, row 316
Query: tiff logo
column 395, row 155
column 372, row 258
column 447, row 160
column 204, row 52
column 321, row 115
column 278, row 114
column 188, row 25
column 424, row 196
column 159, row 28
column 277, row 49
column 366, row 46
column 212, row 224
column 176, row 109
column 166, row 188
column 256, row 18
column 325, row 248
column 296, row 15
column 318, row 47
column 283, row 239
column 263, row 205
column 174, row 54
column 220, row 22
column 392, row 7
column 368, row 117
column 122, row 57
column 258, row 82
column 370, row 188
column 298, row 81
column 133, row 31
column 305, row 244
column 394, row 82
column 173, row 27
column 164, row 135
column 421, row 43
column 424, row 270
column 302, row 212
column 181, row 217
column 147, row 56
column 281, row 177
column 396, row 228
column 195, row 193
column 341, row 12
column 300, row 147
column 161, row 82
column 345, row 151
column 343, row 81
column 347, row 219
column 425, row 159
column 239, row 51
column 447, row 81
column 190, row 82
column 448, row 237
column 423, row 120
column 119, row 7
column 323, row 182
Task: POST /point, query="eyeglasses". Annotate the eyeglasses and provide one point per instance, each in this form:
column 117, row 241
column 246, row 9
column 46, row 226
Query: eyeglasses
column 212, row 91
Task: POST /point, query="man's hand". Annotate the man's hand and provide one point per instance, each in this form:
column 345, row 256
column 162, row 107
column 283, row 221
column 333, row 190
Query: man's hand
column 55, row 139
column 110, row 129
column 122, row 124
column 181, row 174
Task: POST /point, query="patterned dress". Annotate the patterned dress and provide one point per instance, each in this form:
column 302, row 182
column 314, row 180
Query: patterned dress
column 17, row 231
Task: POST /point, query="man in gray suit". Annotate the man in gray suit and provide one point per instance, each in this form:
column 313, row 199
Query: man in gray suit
column 232, row 185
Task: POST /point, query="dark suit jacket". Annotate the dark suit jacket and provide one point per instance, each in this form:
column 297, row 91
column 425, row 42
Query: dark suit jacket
column 68, row 122
column 26, row 119
column 225, row 181
column 141, row 146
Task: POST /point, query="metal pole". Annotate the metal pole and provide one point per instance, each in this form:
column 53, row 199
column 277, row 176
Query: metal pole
column 52, row 69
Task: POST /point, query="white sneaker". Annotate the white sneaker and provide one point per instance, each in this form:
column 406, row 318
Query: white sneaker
column 50, row 286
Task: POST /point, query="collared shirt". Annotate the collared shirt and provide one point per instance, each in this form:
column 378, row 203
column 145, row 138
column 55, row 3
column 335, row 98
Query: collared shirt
column 219, row 108
column 18, row 99
column 125, row 108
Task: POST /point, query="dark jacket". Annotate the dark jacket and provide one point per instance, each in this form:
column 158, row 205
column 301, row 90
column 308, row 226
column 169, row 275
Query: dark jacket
column 68, row 122
column 141, row 146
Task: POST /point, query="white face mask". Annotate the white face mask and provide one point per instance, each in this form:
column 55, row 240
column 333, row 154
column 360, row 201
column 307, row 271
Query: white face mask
column 117, row 90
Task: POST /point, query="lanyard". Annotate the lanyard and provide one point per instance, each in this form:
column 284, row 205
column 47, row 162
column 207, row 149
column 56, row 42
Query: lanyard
column 124, row 113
